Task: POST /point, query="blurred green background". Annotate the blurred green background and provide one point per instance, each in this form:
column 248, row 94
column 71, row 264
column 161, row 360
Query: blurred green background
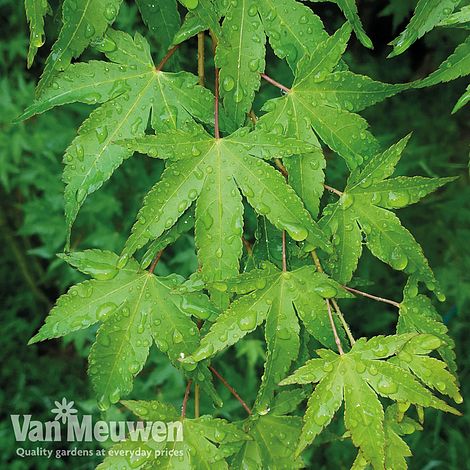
column 32, row 231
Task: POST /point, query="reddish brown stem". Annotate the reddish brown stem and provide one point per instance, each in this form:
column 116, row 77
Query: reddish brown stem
column 165, row 59
column 370, row 296
column 333, row 190
column 185, row 399
column 333, row 327
column 276, row 84
column 155, row 261
column 284, row 256
column 216, row 105
column 281, row 167
column 248, row 246
column 231, row 389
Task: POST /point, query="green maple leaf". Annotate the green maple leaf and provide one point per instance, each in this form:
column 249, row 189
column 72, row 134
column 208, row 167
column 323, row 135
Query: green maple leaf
column 459, row 18
column 202, row 15
column 427, row 14
column 163, row 21
column 130, row 89
column 349, row 8
column 455, row 66
column 417, row 314
column 273, row 435
column 134, row 307
column 213, row 171
column 83, row 22
column 462, row 101
column 363, row 210
column 396, row 449
column 326, row 100
column 280, row 299
column 206, row 442
column 240, row 57
column 36, row 10
column 357, row 378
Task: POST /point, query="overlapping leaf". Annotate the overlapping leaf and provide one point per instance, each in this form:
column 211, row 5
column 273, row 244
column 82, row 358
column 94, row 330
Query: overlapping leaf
column 427, row 14
column 204, row 442
column 130, row 88
column 417, row 314
column 280, row 299
column 213, row 171
column 358, row 378
column 455, row 66
column 35, row 12
column 82, row 23
column 363, row 209
column 134, row 308
column 327, row 101
column 396, row 449
column 162, row 19
column 349, row 8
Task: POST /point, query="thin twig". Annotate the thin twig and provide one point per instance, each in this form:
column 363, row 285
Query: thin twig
column 165, row 59
column 375, row 297
column 231, row 389
column 276, row 84
column 316, row 260
column 196, row 400
column 155, row 261
column 333, row 327
column 252, row 116
column 284, row 257
column 200, row 57
column 185, row 399
column 343, row 322
column 333, row 190
column 281, row 167
column 248, row 246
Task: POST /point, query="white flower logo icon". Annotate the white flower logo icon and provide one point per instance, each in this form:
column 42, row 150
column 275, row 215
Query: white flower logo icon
column 64, row 410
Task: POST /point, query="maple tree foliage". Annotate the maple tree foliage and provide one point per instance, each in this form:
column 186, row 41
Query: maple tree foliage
column 222, row 160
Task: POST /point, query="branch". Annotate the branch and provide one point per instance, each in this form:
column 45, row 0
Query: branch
column 370, row 296
column 200, row 57
column 165, row 59
column 333, row 190
column 196, row 400
column 155, row 261
column 333, row 327
column 284, row 257
column 343, row 322
column 185, row 399
column 276, row 84
column 231, row 389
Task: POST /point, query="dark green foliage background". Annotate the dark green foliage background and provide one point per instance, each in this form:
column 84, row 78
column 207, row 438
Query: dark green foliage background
column 32, row 231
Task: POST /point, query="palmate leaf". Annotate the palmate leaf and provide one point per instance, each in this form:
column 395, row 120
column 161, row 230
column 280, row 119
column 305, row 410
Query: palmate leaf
column 328, row 100
column 362, row 208
column 427, row 14
column 213, row 171
column 163, row 20
column 83, row 22
column 280, row 299
column 35, row 12
column 463, row 100
column 130, row 89
column 240, row 57
column 272, row 444
column 455, row 66
column 417, row 314
column 357, row 378
column 134, row 307
column 349, row 8
column 396, row 449
column 202, row 15
column 461, row 17
column 206, row 441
